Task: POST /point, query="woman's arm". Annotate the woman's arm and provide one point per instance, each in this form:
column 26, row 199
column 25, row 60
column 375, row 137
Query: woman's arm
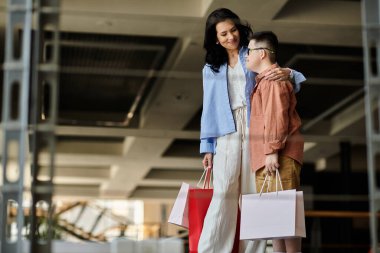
column 283, row 74
column 207, row 145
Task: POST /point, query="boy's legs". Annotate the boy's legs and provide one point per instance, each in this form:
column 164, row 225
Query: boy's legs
column 279, row 246
column 288, row 245
column 293, row 245
column 291, row 174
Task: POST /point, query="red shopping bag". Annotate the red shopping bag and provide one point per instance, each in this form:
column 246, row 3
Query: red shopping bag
column 199, row 201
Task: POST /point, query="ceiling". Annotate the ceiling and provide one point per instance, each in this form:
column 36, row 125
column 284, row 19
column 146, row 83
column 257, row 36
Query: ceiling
column 130, row 93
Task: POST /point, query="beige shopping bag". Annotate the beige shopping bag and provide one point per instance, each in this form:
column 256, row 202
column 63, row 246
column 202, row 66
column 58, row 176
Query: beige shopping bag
column 180, row 213
column 272, row 215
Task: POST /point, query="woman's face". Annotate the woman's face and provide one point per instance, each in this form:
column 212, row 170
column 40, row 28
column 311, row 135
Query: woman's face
column 227, row 35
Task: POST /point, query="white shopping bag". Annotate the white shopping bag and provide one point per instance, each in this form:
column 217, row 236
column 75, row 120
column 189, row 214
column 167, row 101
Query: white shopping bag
column 272, row 215
column 180, row 213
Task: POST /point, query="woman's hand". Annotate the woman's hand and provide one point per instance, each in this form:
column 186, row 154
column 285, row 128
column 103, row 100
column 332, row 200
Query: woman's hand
column 207, row 161
column 278, row 74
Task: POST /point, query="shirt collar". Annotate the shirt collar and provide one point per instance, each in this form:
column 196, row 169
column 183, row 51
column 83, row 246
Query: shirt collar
column 262, row 74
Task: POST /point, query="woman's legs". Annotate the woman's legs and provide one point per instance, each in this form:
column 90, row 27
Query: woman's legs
column 220, row 222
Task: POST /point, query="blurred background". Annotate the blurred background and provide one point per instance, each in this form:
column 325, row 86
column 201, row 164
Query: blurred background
column 129, row 107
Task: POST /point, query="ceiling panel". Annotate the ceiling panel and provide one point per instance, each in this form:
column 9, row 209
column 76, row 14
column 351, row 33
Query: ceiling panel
column 174, row 174
column 95, row 86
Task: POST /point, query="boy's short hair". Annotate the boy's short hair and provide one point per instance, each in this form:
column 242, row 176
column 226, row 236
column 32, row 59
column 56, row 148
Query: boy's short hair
column 271, row 41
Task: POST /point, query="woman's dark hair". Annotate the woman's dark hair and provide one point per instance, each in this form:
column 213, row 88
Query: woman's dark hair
column 216, row 55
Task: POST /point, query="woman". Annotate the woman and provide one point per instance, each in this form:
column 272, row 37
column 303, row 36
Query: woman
column 227, row 87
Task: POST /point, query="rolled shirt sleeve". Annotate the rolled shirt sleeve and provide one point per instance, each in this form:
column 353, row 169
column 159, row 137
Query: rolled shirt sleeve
column 298, row 78
column 208, row 145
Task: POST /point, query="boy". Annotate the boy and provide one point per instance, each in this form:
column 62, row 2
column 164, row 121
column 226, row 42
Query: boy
column 275, row 140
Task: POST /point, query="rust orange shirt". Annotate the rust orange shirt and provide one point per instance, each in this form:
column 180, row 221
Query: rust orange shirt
column 274, row 122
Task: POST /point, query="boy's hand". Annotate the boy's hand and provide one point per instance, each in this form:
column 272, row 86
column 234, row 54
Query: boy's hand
column 271, row 163
column 278, row 74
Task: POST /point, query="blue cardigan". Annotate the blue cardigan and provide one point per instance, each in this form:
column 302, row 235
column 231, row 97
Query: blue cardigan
column 217, row 119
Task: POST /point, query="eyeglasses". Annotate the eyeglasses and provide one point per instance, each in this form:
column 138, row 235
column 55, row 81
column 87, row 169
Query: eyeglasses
column 259, row 48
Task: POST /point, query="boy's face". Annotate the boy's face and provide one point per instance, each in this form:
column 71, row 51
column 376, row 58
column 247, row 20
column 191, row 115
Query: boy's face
column 253, row 57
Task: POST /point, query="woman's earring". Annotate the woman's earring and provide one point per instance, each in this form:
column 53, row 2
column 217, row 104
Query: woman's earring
column 217, row 42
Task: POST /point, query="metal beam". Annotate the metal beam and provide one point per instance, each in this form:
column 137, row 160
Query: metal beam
column 15, row 120
column 173, row 134
column 45, row 76
column 349, row 116
column 371, row 40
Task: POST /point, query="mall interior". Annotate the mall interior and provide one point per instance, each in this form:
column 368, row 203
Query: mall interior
column 101, row 104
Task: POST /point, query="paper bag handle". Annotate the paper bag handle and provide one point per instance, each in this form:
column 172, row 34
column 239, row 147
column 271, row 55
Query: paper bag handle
column 207, row 182
column 278, row 178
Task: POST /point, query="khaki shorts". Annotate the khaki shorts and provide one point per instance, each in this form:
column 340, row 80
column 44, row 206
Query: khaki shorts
column 289, row 172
